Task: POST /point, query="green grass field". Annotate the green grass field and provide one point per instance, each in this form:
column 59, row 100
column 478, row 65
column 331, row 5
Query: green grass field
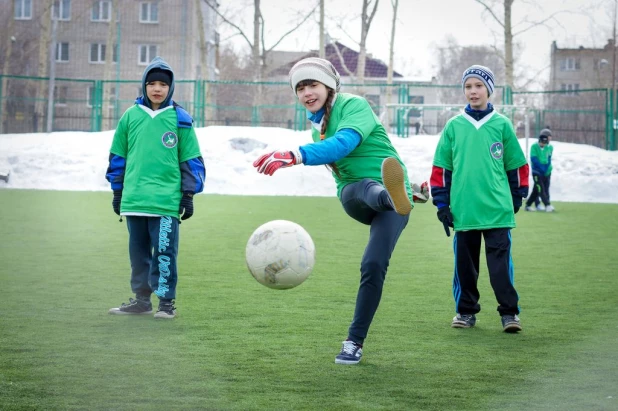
column 237, row 345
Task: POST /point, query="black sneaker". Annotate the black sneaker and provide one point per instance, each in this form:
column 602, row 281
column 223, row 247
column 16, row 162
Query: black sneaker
column 511, row 323
column 135, row 307
column 463, row 321
column 351, row 353
column 166, row 310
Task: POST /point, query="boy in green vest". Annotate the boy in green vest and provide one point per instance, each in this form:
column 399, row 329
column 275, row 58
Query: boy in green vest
column 540, row 157
column 478, row 180
column 155, row 169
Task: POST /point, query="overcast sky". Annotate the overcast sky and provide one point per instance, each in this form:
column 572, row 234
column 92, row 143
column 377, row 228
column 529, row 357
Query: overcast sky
column 424, row 25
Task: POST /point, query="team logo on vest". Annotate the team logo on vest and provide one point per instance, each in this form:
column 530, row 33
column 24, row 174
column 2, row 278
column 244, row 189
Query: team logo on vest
column 169, row 139
column 496, row 150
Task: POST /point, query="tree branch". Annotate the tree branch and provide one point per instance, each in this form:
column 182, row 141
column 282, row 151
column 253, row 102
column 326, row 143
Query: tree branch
column 490, row 11
column 226, row 20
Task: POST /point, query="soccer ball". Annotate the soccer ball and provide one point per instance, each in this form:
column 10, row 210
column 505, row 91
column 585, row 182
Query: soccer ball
column 280, row 254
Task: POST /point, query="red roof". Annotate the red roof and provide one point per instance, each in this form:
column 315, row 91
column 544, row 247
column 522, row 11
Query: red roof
column 374, row 68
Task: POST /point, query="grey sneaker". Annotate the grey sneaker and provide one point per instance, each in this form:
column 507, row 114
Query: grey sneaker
column 134, row 307
column 166, row 310
column 511, row 323
column 528, row 208
column 351, row 353
column 394, row 181
column 463, row 321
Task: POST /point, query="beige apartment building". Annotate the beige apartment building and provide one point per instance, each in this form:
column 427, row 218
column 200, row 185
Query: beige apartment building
column 82, row 31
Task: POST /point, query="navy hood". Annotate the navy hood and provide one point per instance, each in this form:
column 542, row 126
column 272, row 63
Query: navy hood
column 158, row 63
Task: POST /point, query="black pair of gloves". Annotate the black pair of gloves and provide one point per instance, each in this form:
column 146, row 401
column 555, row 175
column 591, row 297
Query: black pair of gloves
column 446, row 217
column 185, row 210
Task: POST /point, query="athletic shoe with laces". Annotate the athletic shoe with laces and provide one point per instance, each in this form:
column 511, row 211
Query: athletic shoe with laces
column 549, row 209
column 166, row 310
column 351, row 353
column 463, row 321
column 134, row 307
column 394, row 181
column 511, row 323
column 528, row 208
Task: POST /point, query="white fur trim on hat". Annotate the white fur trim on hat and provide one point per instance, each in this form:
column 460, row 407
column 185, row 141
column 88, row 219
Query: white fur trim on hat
column 314, row 68
column 482, row 73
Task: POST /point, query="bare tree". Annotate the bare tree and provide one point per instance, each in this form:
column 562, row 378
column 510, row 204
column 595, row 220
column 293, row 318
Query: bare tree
column 259, row 50
column 109, row 62
column 504, row 19
column 366, row 19
column 45, row 38
column 8, row 51
column 391, row 62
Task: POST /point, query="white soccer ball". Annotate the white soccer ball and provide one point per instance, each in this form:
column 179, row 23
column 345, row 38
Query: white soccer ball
column 280, row 254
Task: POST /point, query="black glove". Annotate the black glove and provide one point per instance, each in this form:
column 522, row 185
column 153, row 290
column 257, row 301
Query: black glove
column 116, row 201
column 445, row 216
column 516, row 203
column 186, row 206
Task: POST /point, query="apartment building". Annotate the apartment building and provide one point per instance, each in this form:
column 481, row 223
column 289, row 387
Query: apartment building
column 81, row 31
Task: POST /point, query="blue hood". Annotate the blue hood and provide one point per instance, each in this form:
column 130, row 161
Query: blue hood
column 159, row 63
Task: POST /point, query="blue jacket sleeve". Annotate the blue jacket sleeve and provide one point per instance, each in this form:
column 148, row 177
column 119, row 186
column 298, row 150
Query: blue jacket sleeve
column 193, row 175
column 537, row 167
column 342, row 143
column 115, row 171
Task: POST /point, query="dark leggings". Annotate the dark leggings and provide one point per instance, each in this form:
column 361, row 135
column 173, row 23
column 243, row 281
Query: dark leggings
column 368, row 202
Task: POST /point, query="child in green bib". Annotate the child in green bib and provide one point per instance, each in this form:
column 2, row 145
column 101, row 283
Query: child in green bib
column 372, row 181
column 478, row 180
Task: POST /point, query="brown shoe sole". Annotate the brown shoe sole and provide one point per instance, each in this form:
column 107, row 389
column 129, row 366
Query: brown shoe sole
column 394, row 182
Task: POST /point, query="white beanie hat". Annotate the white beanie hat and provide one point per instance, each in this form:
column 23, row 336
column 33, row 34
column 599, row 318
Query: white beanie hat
column 482, row 73
column 314, row 68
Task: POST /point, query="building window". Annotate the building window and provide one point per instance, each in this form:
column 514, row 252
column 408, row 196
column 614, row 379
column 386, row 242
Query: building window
column 101, row 11
column 570, row 64
column 146, row 53
column 571, row 89
column 61, row 9
column 149, row 12
column 60, row 95
column 97, row 53
column 23, row 9
column 62, row 52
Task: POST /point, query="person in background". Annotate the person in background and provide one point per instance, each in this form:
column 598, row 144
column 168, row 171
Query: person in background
column 155, row 169
column 372, row 181
column 537, row 203
column 478, row 180
column 540, row 157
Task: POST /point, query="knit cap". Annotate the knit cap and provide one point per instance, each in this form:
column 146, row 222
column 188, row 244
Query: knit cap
column 314, row 68
column 545, row 132
column 482, row 73
column 157, row 74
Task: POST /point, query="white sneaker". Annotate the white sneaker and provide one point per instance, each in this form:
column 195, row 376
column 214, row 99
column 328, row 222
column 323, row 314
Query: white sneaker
column 540, row 207
column 530, row 209
column 549, row 208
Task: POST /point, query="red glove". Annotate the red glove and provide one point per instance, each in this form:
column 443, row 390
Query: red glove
column 273, row 161
column 420, row 194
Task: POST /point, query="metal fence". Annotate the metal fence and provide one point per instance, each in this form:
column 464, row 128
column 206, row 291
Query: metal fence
column 407, row 109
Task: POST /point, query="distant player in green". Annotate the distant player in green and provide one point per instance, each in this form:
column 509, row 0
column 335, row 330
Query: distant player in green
column 372, row 181
column 155, row 169
column 540, row 157
column 478, row 180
